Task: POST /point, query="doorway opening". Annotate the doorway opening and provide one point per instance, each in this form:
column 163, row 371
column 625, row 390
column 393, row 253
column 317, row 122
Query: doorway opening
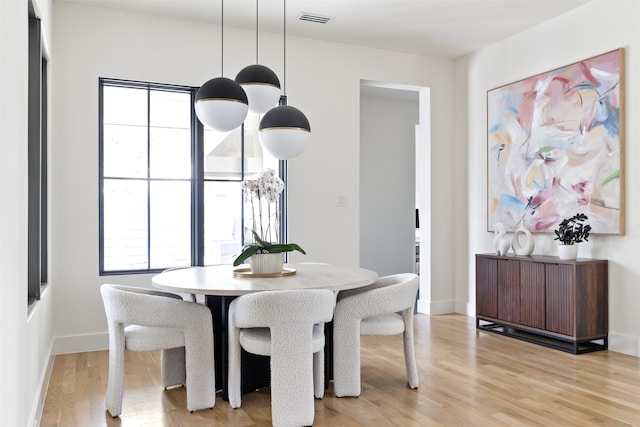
column 395, row 181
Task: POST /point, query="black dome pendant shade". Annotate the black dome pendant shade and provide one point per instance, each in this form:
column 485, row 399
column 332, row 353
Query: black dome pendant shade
column 221, row 88
column 285, row 116
column 258, row 74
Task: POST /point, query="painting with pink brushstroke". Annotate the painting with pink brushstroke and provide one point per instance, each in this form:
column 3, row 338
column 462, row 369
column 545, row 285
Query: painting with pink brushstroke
column 555, row 147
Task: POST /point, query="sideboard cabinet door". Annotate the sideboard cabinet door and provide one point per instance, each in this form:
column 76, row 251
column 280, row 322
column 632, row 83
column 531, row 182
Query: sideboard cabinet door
column 560, row 299
column 487, row 287
column 509, row 290
column 532, row 294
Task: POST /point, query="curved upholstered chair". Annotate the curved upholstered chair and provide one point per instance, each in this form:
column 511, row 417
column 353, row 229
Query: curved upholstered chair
column 288, row 326
column 146, row 320
column 383, row 308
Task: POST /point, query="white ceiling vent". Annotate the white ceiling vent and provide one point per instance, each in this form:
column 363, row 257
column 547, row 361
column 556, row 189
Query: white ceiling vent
column 314, row 17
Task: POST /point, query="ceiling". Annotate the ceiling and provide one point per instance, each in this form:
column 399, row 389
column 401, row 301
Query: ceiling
column 442, row 28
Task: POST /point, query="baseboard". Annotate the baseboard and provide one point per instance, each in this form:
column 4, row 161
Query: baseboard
column 81, row 343
column 435, row 308
column 41, row 395
column 466, row 308
column 624, row 344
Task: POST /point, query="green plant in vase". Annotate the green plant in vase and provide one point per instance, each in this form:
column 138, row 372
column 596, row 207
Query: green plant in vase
column 262, row 195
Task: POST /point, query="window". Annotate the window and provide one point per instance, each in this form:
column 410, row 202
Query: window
column 37, row 162
column 170, row 192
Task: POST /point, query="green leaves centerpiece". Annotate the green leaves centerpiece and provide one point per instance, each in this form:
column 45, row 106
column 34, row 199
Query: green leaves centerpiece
column 262, row 247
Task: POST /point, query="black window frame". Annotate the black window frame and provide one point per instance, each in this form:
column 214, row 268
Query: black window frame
column 197, row 179
column 37, row 181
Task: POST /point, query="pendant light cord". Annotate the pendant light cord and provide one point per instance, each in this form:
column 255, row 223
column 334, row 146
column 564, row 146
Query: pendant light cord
column 256, row 31
column 222, row 39
column 284, row 59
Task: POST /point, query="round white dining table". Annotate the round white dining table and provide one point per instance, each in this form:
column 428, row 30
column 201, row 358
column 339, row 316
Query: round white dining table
column 220, row 286
column 220, row 279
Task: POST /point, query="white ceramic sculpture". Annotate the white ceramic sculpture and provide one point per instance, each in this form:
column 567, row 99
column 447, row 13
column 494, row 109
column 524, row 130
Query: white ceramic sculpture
column 526, row 248
column 501, row 242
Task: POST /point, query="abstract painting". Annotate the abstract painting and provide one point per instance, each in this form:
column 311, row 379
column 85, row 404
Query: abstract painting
column 555, row 147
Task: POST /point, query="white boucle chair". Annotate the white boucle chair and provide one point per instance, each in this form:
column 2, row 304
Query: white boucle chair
column 288, row 326
column 383, row 308
column 147, row 320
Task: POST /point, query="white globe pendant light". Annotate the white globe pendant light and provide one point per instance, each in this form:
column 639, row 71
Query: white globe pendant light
column 259, row 82
column 284, row 130
column 221, row 103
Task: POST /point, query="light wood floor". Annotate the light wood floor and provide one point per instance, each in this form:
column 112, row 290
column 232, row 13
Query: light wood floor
column 467, row 378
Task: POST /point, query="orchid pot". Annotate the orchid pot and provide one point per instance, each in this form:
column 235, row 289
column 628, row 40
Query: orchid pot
column 267, row 263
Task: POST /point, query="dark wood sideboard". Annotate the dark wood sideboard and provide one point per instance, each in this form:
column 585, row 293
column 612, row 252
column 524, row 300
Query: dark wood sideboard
column 562, row 304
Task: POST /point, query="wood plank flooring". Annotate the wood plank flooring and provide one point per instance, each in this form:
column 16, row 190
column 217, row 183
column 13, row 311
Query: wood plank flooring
column 467, row 378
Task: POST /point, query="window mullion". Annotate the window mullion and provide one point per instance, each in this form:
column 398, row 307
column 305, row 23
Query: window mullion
column 148, row 177
column 197, row 188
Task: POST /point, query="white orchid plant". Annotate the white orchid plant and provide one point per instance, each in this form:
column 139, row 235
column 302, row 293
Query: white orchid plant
column 262, row 194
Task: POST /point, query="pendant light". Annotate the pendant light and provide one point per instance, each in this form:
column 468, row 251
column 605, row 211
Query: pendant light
column 221, row 103
column 284, row 130
column 260, row 83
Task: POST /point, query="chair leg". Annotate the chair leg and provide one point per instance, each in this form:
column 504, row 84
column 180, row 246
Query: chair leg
column 292, row 402
column 234, row 370
column 346, row 358
column 173, row 367
column 199, row 363
column 115, row 384
column 318, row 374
column 409, row 349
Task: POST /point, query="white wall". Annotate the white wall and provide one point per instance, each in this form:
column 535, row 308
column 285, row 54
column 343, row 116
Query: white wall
column 595, row 28
column 323, row 80
column 387, row 167
column 25, row 337
column 13, row 227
